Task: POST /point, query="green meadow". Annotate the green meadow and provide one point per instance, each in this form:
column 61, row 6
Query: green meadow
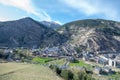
column 22, row 71
column 41, row 60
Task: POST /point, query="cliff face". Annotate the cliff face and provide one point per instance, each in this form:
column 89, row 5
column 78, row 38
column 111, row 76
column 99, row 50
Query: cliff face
column 27, row 32
column 93, row 35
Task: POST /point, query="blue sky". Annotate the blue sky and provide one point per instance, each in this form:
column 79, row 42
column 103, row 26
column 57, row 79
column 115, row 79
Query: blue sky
column 61, row 11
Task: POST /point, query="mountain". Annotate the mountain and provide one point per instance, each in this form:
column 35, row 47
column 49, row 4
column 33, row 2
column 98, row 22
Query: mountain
column 82, row 35
column 27, row 32
column 50, row 24
column 93, row 34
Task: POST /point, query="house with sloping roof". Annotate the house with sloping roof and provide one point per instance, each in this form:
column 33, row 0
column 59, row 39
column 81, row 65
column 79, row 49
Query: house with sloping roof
column 97, row 70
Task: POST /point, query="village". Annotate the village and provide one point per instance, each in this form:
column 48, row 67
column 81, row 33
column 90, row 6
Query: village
column 108, row 61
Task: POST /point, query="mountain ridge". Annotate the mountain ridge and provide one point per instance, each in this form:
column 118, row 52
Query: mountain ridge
column 93, row 34
column 90, row 34
column 28, row 33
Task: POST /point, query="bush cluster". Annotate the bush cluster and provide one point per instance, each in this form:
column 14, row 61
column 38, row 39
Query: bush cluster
column 69, row 75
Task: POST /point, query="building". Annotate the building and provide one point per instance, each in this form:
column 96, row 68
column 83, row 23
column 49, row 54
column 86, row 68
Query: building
column 97, row 70
column 103, row 60
column 103, row 70
column 112, row 63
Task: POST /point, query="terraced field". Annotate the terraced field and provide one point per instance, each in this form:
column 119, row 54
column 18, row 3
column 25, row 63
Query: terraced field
column 21, row 71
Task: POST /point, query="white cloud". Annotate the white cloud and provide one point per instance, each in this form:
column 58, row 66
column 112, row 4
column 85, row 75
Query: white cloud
column 9, row 18
column 93, row 7
column 27, row 6
column 3, row 19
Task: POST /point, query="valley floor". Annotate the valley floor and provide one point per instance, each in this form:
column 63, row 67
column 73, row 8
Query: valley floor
column 22, row 71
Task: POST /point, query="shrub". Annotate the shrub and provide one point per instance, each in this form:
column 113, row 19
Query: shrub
column 74, row 60
column 67, row 74
column 83, row 76
column 55, row 68
column 1, row 53
column 58, row 70
column 51, row 67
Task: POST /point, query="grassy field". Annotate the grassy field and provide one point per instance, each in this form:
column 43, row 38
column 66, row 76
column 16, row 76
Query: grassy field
column 81, row 63
column 21, row 71
column 59, row 62
column 41, row 60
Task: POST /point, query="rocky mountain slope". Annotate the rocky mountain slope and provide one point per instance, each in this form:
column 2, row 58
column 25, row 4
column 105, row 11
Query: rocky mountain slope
column 93, row 34
column 27, row 32
column 82, row 35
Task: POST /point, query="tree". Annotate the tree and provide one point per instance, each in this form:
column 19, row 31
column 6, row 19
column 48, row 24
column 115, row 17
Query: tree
column 1, row 53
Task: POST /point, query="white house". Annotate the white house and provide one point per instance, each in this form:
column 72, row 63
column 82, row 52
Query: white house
column 112, row 63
